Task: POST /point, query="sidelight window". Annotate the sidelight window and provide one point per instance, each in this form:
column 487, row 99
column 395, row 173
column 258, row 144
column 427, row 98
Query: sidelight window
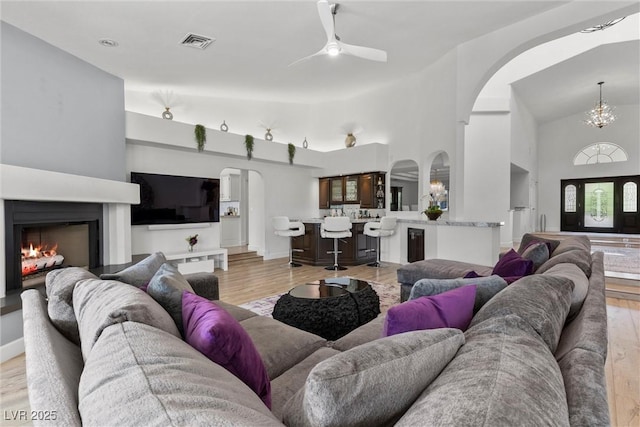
column 570, row 197
column 630, row 197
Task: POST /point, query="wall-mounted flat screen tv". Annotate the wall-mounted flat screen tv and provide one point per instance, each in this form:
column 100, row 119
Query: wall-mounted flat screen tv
column 171, row 199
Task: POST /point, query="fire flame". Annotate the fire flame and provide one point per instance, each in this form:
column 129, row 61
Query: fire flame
column 32, row 254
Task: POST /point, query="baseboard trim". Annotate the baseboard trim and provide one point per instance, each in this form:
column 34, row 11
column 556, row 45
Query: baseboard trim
column 11, row 350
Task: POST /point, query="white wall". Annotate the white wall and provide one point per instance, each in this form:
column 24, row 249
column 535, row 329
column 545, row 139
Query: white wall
column 560, row 141
column 488, row 171
column 59, row 113
column 288, row 190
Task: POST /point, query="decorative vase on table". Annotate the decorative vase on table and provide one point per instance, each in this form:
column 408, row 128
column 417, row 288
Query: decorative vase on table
column 192, row 240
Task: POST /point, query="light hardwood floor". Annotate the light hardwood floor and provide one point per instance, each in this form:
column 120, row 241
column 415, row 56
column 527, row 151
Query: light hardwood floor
column 247, row 281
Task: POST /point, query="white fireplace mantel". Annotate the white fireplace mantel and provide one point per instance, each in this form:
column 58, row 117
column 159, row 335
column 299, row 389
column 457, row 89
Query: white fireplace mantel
column 20, row 183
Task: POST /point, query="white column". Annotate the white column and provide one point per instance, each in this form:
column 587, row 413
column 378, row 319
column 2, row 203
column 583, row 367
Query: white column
column 117, row 233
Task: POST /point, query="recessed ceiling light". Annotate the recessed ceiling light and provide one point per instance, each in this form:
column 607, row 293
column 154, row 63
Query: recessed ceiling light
column 108, row 43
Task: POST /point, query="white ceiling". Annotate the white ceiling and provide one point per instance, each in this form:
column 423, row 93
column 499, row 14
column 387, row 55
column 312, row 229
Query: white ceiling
column 256, row 40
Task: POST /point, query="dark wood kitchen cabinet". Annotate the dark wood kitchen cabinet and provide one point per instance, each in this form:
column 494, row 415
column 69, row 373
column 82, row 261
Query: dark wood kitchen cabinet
column 325, row 193
column 367, row 190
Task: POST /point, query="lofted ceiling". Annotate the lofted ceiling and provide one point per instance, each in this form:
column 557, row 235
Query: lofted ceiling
column 255, row 41
column 570, row 86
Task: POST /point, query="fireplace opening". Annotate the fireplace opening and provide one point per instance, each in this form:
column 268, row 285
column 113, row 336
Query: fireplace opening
column 48, row 247
column 42, row 236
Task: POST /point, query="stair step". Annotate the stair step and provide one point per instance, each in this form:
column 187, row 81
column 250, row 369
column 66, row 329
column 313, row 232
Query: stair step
column 244, row 257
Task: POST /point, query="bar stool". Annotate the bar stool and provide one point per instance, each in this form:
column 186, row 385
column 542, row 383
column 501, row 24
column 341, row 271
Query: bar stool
column 386, row 227
column 285, row 228
column 335, row 228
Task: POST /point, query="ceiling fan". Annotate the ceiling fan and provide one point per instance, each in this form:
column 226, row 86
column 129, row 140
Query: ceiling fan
column 335, row 46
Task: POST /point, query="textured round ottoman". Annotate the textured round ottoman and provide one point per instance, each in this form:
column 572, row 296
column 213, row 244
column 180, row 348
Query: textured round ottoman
column 330, row 308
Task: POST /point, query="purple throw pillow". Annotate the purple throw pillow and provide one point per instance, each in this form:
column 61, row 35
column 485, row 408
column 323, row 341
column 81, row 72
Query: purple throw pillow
column 512, row 265
column 472, row 275
column 211, row 330
column 451, row 309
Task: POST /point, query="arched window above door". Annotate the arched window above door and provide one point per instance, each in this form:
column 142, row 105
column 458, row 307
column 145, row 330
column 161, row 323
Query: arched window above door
column 600, row 152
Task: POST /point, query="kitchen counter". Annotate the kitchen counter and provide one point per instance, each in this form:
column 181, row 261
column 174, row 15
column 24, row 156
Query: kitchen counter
column 445, row 222
column 356, row 250
column 321, row 220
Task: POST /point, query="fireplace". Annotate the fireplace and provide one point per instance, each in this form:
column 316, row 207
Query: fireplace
column 41, row 236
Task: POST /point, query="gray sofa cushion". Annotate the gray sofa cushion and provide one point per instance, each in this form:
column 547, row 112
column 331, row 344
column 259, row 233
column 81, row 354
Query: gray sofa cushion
column 541, row 301
column 140, row 375
column 585, row 381
column 54, row 364
column 140, row 273
column 580, row 284
column 576, row 241
column 99, row 304
column 59, row 285
column 238, row 313
column 204, row 284
column 361, row 335
column 579, row 257
column 372, row 384
column 504, row 375
column 588, row 330
column 281, row 346
column 438, row 269
column 288, row 384
column 486, row 288
column 166, row 287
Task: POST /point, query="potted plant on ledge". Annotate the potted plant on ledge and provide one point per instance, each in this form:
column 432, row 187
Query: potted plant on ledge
column 433, row 212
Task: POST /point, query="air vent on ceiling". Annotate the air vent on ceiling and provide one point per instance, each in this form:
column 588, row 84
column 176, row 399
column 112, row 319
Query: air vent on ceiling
column 194, row 40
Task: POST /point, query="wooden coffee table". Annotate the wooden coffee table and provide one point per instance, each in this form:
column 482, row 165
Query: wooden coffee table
column 330, row 308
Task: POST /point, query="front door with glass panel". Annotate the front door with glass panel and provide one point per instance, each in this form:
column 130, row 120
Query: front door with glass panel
column 600, row 205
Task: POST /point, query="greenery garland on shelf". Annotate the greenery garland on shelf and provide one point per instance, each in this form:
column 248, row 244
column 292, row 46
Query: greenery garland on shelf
column 201, row 136
column 248, row 144
column 292, row 152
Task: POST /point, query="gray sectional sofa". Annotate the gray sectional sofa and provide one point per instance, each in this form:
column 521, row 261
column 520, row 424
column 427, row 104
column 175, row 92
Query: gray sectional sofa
column 519, row 363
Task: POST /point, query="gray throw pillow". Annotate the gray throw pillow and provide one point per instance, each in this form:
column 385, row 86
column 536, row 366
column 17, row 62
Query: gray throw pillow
column 372, row 384
column 59, row 285
column 487, row 287
column 140, row 273
column 99, row 304
column 528, row 238
column 541, row 301
column 538, row 253
column 167, row 287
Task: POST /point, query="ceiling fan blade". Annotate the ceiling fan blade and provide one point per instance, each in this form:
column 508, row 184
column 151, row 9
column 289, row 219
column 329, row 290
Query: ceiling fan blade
column 364, row 52
column 320, row 52
column 326, row 17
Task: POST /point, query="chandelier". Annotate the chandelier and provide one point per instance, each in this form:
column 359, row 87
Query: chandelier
column 602, row 114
